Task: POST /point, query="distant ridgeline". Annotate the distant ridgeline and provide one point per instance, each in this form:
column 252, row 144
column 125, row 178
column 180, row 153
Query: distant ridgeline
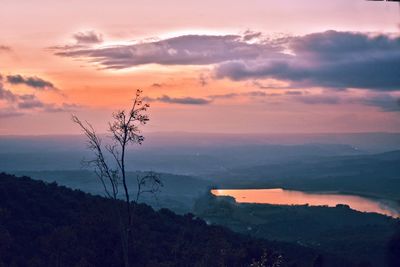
column 44, row 224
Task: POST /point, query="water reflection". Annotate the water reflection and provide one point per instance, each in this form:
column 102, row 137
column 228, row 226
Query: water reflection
column 280, row 196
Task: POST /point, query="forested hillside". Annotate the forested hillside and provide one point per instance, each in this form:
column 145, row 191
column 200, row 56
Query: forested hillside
column 44, row 224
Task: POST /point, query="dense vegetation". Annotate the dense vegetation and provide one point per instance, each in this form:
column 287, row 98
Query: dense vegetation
column 178, row 193
column 366, row 238
column 44, row 224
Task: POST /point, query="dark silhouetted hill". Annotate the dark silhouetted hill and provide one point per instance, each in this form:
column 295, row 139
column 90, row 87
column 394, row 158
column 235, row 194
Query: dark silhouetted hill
column 43, row 224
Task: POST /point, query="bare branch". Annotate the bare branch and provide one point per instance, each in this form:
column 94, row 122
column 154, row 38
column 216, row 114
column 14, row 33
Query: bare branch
column 150, row 183
column 103, row 171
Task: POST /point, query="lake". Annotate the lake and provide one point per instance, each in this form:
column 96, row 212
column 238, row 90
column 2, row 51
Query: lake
column 278, row 196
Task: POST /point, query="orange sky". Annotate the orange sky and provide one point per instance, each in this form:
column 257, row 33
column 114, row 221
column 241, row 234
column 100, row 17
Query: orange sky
column 187, row 90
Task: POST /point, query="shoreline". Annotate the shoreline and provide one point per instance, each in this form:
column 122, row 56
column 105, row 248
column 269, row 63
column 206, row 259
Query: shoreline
column 385, row 203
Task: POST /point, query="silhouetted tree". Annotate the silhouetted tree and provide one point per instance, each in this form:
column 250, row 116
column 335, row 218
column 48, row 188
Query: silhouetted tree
column 149, row 183
column 125, row 131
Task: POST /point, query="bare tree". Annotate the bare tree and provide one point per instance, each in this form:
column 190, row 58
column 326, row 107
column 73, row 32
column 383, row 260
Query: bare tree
column 149, row 183
column 124, row 131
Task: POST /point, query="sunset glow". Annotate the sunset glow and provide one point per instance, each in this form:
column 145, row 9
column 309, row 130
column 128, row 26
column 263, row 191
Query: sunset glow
column 243, row 67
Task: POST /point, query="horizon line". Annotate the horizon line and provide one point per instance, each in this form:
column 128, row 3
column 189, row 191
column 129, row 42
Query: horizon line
column 212, row 133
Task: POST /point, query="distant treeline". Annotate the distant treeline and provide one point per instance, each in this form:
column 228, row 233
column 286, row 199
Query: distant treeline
column 368, row 239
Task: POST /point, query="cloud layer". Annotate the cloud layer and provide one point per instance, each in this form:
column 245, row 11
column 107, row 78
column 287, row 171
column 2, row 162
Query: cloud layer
column 181, row 50
column 330, row 59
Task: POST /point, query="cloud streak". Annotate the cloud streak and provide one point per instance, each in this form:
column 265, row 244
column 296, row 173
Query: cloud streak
column 383, row 101
column 180, row 100
column 4, row 48
column 33, row 82
column 234, row 95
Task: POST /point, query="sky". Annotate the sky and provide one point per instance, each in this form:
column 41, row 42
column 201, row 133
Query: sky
column 204, row 66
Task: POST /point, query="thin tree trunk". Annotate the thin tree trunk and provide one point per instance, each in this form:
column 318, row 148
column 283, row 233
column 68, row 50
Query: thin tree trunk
column 124, row 236
column 125, row 184
column 126, row 230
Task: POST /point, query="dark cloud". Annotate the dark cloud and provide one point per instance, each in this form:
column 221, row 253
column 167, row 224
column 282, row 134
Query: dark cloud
column 251, row 35
column 262, row 94
column 34, row 82
column 4, row 48
column 26, row 97
column 20, row 104
column 180, row 100
column 224, row 96
column 64, row 107
column 270, row 85
column 255, row 93
column 384, row 102
column 31, row 103
column 248, row 94
column 293, row 92
column 88, row 37
column 7, row 95
column 158, row 85
column 181, row 50
column 83, row 40
column 17, row 105
column 319, row 99
column 330, row 59
column 68, row 47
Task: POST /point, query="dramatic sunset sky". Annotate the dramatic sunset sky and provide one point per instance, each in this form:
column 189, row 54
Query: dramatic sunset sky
column 205, row 66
